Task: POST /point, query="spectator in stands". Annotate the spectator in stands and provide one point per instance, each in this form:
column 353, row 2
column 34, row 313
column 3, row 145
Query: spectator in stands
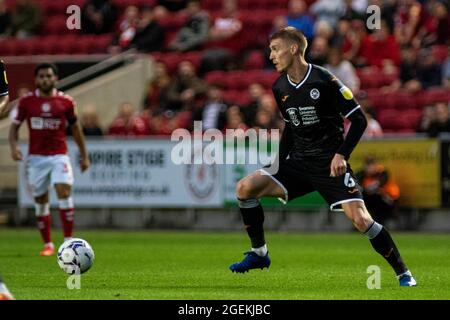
column 263, row 120
column 441, row 14
column 268, row 105
column 352, row 38
column 328, row 10
column 224, row 39
column 428, row 117
column 5, row 19
column 411, row 19
column 373, row 129
column 126, row 28
column 149, row 35
column 381, row 49
column 408, row 80
column 173, row 5
column 298, row 17
column 235, row 119
column 381, row 193
column 98, row 16
column 323, row 29
column 255, row 91
column 127, row 123
column 428, row 70
column 446, row 71
column 355, row 10
column 388, row 11
column 213, row 113
column 318, row 54
column 196, row 30
column 89, row 121
column 441, row 124
column 435, row 27
column 185, row 88
column 156, row 97
column 26, row 19
column 342, row 69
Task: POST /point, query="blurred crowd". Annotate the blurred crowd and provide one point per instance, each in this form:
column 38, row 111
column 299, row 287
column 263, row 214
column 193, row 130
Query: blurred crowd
column 403, row 45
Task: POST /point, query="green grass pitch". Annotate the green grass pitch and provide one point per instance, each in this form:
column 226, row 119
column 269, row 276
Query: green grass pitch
column 194, row 265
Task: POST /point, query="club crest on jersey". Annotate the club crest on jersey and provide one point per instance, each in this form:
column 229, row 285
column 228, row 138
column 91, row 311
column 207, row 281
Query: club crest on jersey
column 314, row 93
column 46, row 107
column 293, row 116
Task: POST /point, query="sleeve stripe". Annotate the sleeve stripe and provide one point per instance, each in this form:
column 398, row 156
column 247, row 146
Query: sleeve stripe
column 4, row 93
column 356, row 108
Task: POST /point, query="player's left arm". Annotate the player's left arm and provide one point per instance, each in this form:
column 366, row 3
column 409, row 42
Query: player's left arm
column 4, row 92
column 78, row 136
column 350, row 109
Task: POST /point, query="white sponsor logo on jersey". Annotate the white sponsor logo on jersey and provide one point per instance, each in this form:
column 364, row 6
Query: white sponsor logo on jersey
column 38, row 123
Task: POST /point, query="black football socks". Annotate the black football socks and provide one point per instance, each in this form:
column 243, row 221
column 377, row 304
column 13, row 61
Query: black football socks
column 383, row 244
column 253, row 217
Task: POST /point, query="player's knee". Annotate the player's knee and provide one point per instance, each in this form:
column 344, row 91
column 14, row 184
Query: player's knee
column 244, row 189
column 63, row 192
column 361, row 221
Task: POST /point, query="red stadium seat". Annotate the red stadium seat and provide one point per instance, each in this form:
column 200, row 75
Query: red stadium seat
column 431, row 96
column 231, row 96
column 216, row 77
column 388, row 118
column 7, row 48
column 401, row 101
column 236, row 80
column 255, row 60
column 195, row 57
column 440, row 53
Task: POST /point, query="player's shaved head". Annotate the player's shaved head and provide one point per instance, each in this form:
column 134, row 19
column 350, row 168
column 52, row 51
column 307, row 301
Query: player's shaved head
column 293, row 36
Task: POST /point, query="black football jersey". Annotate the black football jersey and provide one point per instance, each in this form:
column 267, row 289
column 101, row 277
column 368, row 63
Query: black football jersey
column 315, row 110
column 3, row 80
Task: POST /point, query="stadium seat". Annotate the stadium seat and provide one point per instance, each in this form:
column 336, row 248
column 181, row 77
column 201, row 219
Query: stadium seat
column 388, row 118
column 431, row 96
column 255, row 60
column 236, row 80
column 440, row 53
column 401, row 101
column 216, row 77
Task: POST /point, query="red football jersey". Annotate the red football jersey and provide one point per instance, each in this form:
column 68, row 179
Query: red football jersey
column 47, row 119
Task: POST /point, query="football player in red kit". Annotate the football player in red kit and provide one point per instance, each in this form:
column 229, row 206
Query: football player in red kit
column 47, row 111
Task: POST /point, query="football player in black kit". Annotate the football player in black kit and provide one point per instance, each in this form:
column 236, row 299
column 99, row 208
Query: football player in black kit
column 313, row 153
column 4, row 110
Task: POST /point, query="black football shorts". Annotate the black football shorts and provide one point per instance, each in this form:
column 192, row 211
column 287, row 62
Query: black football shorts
column 298, row 178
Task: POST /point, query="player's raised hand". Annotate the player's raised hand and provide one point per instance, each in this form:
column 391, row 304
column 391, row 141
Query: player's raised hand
column 84, row 164
column 338, row 165
column 16, row 154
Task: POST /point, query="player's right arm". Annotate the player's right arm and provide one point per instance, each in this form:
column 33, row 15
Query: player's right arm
column 13, row 136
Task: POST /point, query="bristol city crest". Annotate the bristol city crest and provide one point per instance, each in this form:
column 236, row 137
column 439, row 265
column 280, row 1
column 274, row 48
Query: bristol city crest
column 46, row 107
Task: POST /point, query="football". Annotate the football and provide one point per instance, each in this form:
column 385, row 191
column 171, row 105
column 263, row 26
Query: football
column 75, row 256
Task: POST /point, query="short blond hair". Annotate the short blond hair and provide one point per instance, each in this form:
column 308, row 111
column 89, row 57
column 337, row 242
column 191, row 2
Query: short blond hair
column 293, row 35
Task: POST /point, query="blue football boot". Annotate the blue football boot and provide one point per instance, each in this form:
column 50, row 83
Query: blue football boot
column 251, row 261
column 407, row 280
